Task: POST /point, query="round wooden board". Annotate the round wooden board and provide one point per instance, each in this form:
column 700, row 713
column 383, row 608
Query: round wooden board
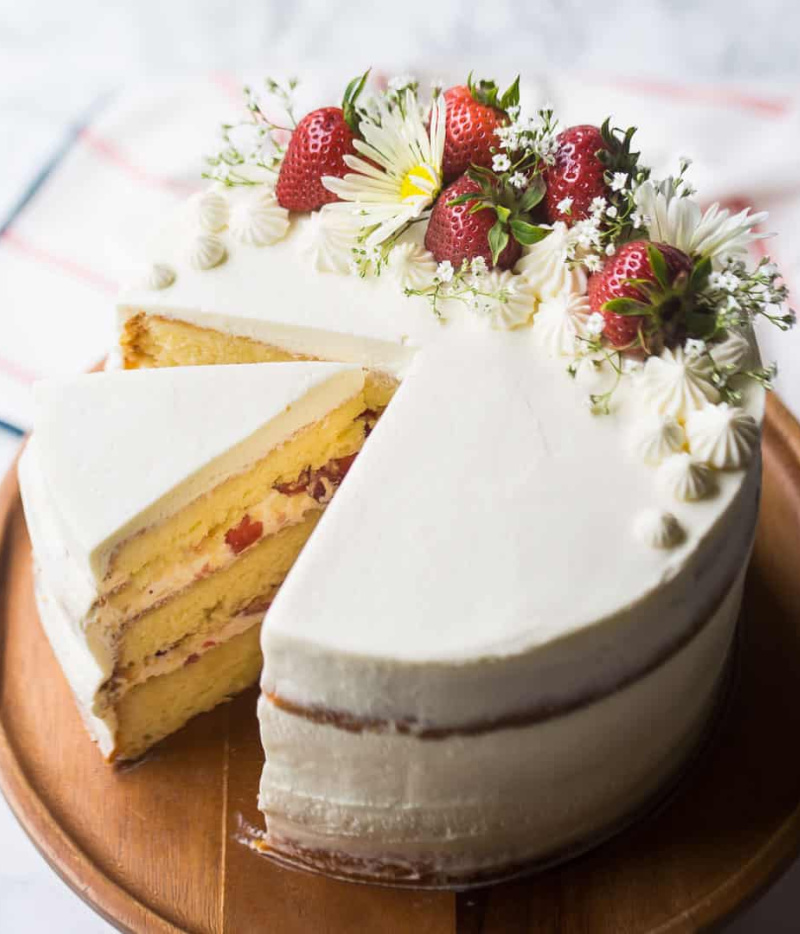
column 153, row 848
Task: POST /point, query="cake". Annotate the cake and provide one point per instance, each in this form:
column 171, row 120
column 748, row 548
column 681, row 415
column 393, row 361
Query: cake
column 165, row 509
column 511, row 627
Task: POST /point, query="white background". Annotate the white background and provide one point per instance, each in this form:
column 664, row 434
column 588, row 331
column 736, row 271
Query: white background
column 56, row 57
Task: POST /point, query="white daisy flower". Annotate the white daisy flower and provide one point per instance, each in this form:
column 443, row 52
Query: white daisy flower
column 403, row 173
column 679, row 222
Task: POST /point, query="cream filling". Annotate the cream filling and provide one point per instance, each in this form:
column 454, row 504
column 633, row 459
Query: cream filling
column 275, row 512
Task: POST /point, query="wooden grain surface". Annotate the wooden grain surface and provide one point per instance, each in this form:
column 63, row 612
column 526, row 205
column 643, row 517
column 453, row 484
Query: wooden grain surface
column 154, row 849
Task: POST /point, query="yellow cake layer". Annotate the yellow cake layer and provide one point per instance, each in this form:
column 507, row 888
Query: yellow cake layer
column 155, row 341
column 158, row 707
column 149, row 555
column 207, row 605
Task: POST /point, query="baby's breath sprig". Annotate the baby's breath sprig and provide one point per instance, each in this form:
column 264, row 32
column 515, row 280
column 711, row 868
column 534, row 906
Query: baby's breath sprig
column 250, row 151
column 467, row 283
column 735, row 296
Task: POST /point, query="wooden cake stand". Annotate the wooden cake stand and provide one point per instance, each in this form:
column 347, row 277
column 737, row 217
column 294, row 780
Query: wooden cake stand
column 154, row 847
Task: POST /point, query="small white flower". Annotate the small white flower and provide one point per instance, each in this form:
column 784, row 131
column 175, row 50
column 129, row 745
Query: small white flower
column 610, row 249
column 501, row 162
column 694, row 347
column 593, row 263
column 513, row 111
column 611, row 211
column 595, row 324
column 399, row 82
column 637, row 219
column 478, row 266
column 619, row 180
column 518, row 180
column 565, row 205
column 598, row 206
column 445, row 271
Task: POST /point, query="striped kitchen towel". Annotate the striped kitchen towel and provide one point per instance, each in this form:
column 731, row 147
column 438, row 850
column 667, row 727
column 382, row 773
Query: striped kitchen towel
column 81, row 223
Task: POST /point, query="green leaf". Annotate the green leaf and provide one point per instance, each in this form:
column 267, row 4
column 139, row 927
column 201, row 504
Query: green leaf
column 627, row 306
column 511, row 96
column 700, row 273
column 659, row 265
column 485, row 92
column 351, row 94
column 526, row 233
column 502, row 212
column 480, row 205
column 533, row 194
column 498, row 240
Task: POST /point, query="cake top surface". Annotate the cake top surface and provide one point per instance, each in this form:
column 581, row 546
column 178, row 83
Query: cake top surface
column 489, row 513
column 122, row 449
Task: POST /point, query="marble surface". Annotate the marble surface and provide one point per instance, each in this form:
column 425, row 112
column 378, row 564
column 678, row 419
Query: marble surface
column 57, row 58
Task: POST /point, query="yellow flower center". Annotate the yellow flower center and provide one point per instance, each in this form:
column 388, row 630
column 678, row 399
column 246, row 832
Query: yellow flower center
column 421, row 180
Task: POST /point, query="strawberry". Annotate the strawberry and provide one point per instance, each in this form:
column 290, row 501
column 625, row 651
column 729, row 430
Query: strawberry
column 586, row 159
column 316, row 148
column 644, row 292
column 577, row 173
column 474, row 112
column 456, row 232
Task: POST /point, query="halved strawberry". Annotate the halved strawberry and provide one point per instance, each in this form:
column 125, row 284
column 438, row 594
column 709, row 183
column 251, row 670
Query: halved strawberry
column 644, row 292
column 316, row 148
column 474, row 112
column 473, row 217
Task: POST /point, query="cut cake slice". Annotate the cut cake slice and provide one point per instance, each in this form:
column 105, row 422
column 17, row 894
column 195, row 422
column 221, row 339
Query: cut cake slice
column 165, row 507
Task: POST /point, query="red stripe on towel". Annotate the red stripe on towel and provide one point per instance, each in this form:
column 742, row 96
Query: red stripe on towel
column 12, row 239
column 109, row 151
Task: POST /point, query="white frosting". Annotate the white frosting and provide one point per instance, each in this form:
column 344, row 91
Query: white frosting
column 210, row 210
column 676, row 383
column 733, row 352
column 104, row 433
column 655, row 437
column 328, row 239
column 499, row 798
column 560, row 321
column 206, row 251
column 509, row 300
column 482, row 616
column 259, row 221
column 545, row 265
column 657, row 528
column 723, row 436
column 685, row 478
column 159, row 276
column 412, row 266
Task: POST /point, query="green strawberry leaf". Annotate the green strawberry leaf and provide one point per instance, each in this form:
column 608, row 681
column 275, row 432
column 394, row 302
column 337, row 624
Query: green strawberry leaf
column 533, row 194
column 465, row 198
column 498, row 240
column 659, row 265
column 511, row 97
column 627, row 306
column 526, row 233
column 351, row 94
column 503, row 212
